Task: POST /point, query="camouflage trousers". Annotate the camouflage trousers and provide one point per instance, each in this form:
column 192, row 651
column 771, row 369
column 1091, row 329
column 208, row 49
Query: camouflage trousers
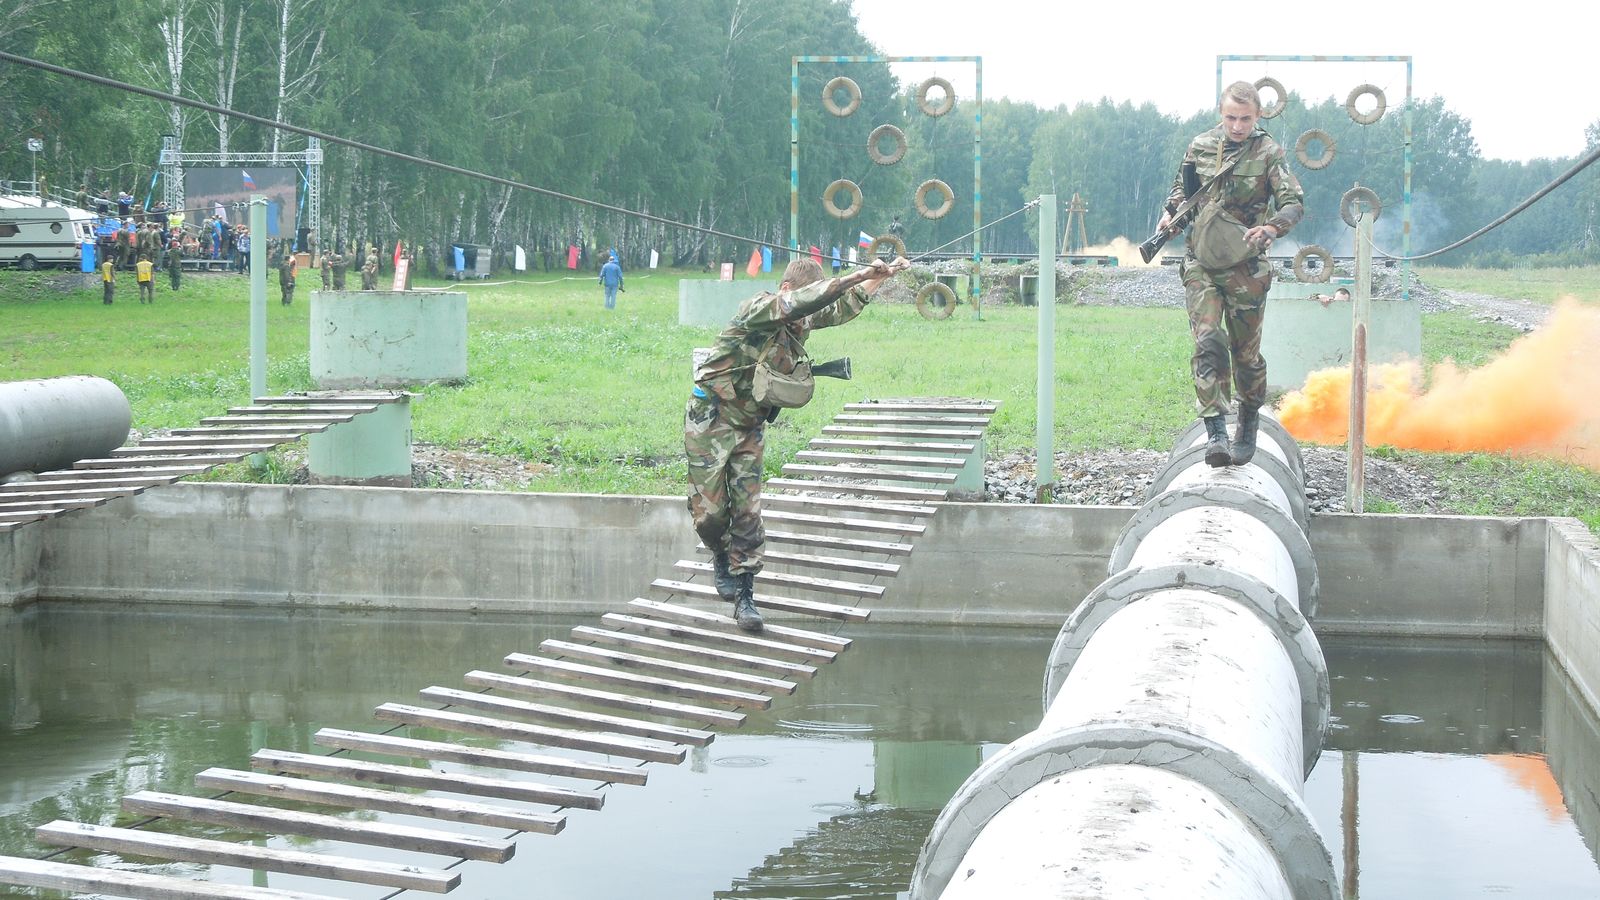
column 1226, row 309
column 725, row 483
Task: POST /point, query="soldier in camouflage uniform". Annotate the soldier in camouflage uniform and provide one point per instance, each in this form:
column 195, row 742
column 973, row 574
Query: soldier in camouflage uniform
column 369, row 271
column 338, row 264
column 286, row 278
column 1260, row 193
column 327, row 271
column 724, row 426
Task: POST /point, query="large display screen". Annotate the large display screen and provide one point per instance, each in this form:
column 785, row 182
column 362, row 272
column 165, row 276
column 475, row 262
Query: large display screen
column 224, row 192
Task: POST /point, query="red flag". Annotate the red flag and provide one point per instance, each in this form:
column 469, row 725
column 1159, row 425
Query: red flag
column 753, row 268
column 397, row 253
column 816, row 254
column 572, row 257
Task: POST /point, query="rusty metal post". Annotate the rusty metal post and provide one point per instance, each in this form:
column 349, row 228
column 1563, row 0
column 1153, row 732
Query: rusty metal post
column 1044, row 467
column 1361, row 315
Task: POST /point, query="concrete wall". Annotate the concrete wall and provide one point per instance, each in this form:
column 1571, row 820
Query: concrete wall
column 704, row 302
column 383, row 339
column 1301, row 336
column 1572, row 603
column 980, row 563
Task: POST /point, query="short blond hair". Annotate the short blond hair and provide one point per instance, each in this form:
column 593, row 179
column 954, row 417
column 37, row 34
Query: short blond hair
column 1241, row 92
column 802, row 272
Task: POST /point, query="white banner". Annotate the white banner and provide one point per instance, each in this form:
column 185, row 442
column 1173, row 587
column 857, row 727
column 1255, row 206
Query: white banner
column 654, row 258
column 852, row 254
column 522, row 259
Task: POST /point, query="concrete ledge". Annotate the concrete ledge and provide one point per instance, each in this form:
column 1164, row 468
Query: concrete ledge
column 1572, row 603
column 1302, row 336
column 704, row 302
column 978, row 563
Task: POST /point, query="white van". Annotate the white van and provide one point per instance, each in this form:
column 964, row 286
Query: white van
column 35, row 233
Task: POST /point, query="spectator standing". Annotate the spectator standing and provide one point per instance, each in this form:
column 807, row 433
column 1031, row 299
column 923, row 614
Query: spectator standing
column 611, row 280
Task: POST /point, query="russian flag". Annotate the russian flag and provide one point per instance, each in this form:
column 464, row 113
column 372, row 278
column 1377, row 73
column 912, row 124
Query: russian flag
column 866, row 239
column 249, row 183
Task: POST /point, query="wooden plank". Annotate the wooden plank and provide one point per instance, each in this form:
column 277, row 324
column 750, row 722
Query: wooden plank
column 465, row 811
column 339, row 397
column 767, row 601
column 283, row 762
column 157, row 462
column 890, row 406
column 304, row 408
column 573, row 718
column 228, row 436
column 798, row 582
column 842, row 524
column 249, row 817
column 665, row 708
column 656, row 664
column 122, row 883
column 797, row 652
column 929, row 419
column 889, row 548
column 124, row 471
column 286, row 418
column 863, row 489
column 891, row 431
column 61, row 833
column 394, row 745
column 727, row 657
column 831, row 563
column 854, row 504
column 687, row 689
column 207, row 449
column 87, row 480
column 92, row 490
column 650, row 751
column 56, row 506
column 676, row 613
column 931, row 462
column 851, row 444
column 11, row 520
column 868, row 474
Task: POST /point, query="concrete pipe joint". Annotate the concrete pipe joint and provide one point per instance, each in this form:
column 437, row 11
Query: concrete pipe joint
column 51, row 423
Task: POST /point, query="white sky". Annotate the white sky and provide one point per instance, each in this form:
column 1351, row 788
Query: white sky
column 1522, row 72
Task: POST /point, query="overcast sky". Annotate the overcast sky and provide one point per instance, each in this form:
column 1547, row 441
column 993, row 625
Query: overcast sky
column 1522, row 75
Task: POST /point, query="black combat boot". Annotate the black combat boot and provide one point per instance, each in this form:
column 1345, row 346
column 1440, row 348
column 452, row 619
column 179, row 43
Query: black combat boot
column 1217, row 454
column 727, row 583
column 1244, row 446
column 744, row 608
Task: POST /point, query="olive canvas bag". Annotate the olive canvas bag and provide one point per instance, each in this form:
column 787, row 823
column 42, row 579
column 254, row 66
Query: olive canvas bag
column 785, row 390
column 1218, row 238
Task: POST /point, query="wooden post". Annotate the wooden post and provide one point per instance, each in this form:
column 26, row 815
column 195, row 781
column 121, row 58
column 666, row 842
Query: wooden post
column 1356, row 477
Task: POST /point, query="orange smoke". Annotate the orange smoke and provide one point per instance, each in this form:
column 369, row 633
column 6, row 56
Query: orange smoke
column 1126, row 252
column 1541, row 396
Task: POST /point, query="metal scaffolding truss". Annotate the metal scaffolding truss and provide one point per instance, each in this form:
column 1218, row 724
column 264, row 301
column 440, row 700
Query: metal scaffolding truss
column 174, row 159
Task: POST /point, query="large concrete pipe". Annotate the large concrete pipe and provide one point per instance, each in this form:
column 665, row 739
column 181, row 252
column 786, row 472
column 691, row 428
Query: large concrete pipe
column 1188, row 684
column 50, row 423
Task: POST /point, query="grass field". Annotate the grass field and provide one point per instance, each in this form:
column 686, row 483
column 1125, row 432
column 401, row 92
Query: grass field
column 1539, row 285
column 598, row 396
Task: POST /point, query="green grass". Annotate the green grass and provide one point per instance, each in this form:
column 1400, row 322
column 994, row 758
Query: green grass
column 1539, row 285
column 599, row 396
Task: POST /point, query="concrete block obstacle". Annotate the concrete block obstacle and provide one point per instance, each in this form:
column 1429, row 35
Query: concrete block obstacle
column 1186, row 700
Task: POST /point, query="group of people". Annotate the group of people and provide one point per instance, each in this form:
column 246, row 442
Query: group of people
column 1234, row 186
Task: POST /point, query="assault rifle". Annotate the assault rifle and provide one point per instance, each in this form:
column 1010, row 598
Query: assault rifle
column 1191, row 190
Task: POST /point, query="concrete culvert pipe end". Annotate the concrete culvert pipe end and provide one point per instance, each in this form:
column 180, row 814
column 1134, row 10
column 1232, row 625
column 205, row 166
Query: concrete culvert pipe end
column 830, row 199
column 830, row 100
column 51, row 423
column 936, row 212
column 935, row 300
column 1356, row 93
column 1347, row 204
column 1303, row 145
column 1302, row 271
column 875, row 140
column 1280, row 97
column 943, row 105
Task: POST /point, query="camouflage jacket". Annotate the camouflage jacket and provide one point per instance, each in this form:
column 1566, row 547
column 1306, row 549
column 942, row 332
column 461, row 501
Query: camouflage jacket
column 787, row 317
column 1259, row 184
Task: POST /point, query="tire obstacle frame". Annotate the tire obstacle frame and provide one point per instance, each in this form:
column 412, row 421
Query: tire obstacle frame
column 974, row 288
column 1408, row 150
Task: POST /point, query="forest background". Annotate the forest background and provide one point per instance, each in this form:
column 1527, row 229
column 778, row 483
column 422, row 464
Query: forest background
column 679, row 108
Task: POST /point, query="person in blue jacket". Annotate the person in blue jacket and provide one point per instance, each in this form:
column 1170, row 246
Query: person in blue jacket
column 611, row 278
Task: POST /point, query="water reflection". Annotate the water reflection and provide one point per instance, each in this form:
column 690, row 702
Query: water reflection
column 1434, row 782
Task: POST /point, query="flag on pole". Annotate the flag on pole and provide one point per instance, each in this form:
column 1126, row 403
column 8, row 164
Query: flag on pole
column 753, row 267
column 835, row 259
column 397, row 252
column 766, row 259
column 816, row 254
column 654, row 258
column 865, row 241
column 522, row 259
column 852, row 254
column 249, row 183
column 572, row 257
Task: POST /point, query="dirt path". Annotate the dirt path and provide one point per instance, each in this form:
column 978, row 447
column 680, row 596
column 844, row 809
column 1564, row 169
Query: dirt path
column 1523, row 315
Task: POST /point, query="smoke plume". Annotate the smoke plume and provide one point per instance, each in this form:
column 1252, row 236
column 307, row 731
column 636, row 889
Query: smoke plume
column 1541, row 396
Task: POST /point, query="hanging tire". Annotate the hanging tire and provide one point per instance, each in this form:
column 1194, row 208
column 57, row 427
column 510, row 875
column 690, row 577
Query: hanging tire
column 1347, row 204
column 945, row 105
column 849, row 86
column 886, row 240
column 1357, row 93
column 1329, row 146
column 878, row 134
column 1271, row 112
column 1305, row 275
column 936, row 308
column 830, row 202
column 943, row 209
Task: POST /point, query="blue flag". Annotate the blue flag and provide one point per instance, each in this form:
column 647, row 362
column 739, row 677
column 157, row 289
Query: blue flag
column 836, row 259
column 461, row 259
column 766, row 259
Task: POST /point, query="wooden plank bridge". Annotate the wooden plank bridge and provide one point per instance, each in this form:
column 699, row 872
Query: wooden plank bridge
column 661, row 675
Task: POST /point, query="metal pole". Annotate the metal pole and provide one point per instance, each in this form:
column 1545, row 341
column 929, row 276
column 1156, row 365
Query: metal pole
column 794, row 153
column 975, row 283
column 1361, row 313
column 1405, row 226
column 1045, row 462
column 258, row 302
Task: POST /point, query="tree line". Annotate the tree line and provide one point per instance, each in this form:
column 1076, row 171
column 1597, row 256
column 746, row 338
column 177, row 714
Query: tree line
column 680, row 108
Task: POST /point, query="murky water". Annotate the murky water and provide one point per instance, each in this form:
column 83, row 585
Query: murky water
column 1445, row 775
